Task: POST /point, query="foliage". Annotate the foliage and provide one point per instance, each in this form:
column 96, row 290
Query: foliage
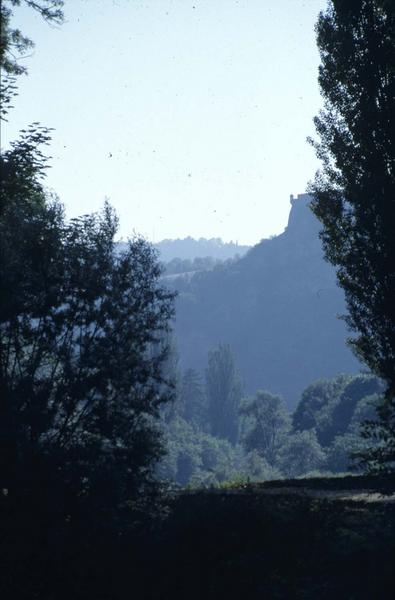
column 334, row 411
column 12, row 41
column 300, row 454
column 324, row 437
column 265, row 424
column 223, row 387
column 197, row 458
column 380, row 453
column 178, row 265
column 339, row 454
column 193, row 399
column 14, row 44
column 356, row 390
column 209, row 251
column 365, row 410
column 23, row 168
column 182, row 458
column 257, row 468
column 81, row 354
column 328, row 405
column 316, row 405
column 354, row 194
column 8, row 90
column 172, row 374
column 347, row 445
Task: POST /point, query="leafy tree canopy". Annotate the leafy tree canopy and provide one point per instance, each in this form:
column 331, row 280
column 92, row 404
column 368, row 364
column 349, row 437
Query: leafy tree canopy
column 316, row 403
column 81, row 353
column 329, row 405
column 266, row 423
column 300, row 454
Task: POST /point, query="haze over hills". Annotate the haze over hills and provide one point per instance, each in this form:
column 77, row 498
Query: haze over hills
column 277, row 307
column 189, row 248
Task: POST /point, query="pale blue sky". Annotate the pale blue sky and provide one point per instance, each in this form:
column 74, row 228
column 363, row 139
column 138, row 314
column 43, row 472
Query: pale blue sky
column 190, row 116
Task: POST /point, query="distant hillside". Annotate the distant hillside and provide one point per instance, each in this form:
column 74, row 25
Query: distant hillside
column 189, row 248
column 277, row 307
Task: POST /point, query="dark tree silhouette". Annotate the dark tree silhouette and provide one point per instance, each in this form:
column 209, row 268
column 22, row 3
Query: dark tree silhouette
column 354, row 193
column 82, row 333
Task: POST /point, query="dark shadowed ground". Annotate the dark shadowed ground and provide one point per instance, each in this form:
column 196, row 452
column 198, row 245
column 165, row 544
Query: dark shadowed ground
column 312, row 539
column 303, row 539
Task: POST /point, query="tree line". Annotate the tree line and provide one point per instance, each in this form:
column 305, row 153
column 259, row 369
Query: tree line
column 216, row 434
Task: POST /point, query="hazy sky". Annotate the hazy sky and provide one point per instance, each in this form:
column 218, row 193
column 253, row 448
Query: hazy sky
column 190, row 116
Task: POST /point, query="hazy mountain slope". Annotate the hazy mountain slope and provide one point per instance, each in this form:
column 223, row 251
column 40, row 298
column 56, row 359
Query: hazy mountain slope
column 276, row 307
column 189, row 248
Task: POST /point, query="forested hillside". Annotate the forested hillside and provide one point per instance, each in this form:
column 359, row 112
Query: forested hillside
column 277, row 307
column 189, row 249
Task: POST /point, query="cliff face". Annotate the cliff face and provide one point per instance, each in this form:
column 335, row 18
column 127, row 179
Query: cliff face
column 277, row 307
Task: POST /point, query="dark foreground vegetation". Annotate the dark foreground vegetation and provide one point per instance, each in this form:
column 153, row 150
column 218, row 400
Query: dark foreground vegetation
column 295, row 539
column 259, row 544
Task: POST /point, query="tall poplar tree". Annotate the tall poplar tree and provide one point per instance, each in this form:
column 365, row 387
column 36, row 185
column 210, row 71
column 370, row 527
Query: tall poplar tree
column 224, row 391
column 354, row 193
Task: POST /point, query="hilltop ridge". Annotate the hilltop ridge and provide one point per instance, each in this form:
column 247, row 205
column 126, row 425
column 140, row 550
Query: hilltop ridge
column 277, row 307
column 190, row 248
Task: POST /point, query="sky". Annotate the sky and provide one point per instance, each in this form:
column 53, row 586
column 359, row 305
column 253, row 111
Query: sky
column 190, row 117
